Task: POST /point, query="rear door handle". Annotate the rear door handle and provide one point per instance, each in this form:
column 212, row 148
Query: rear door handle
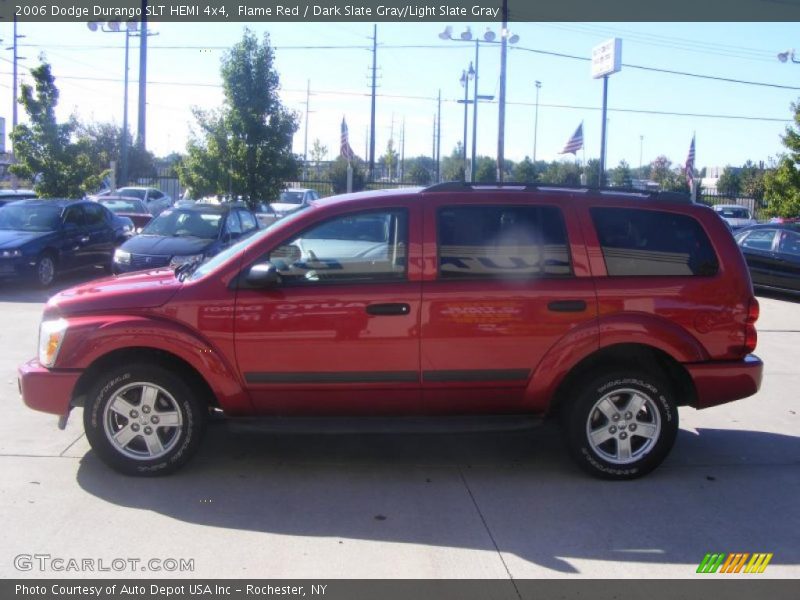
column 385, row 310
column 84, row 239
column 567, row 306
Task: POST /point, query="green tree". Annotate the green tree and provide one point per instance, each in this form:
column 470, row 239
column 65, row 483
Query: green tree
column 752, row 178
column 244, row 147
column 318, row 153
column 390, row 160
column 562, row 173
column 591, row 172
column 525, row 171
column 337, row 173
column 45, row 149
column 453, row 165
column 420, row 170
column 485, row 170
column 661, row 171
column 729, row 182
column 102, row 142
column 621, row 175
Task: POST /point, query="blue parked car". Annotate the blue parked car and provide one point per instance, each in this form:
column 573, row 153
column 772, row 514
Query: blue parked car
column 185, row 234
column 41, row 238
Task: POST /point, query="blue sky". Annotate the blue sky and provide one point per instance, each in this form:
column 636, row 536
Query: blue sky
column 183, row 71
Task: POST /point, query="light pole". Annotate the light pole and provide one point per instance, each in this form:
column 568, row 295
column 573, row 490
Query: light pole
column 536, row 120
column 488, row 38
column 129, row 29
column 465, row 78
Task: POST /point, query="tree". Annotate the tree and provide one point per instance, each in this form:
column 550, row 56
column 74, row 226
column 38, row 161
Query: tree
column 621, row 175
column 318, row 153
column 44, row 148
column 420, row 170
column 661, row 171
column 525, row 171
column 782, row 185
column 244, row 147
column 752, row 179
column 453, row 165
column 562, row 173
column 102, row 142
column 485, row 170
column 591, row 172
column 390, row 160
column 337, row 173
column 729, row 182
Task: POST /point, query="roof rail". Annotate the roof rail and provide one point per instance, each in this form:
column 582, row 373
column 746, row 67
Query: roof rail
column 658, row 195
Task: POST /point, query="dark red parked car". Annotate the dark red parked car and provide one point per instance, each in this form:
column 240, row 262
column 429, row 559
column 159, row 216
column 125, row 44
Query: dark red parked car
column 124, row 206
column 607, row 310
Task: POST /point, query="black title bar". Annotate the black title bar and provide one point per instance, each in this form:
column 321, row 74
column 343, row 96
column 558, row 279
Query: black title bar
column 399, row 10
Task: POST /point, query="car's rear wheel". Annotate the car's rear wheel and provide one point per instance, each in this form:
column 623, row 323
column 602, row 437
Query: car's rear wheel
column 45, row 270
column 143, row 419
column 621, row 425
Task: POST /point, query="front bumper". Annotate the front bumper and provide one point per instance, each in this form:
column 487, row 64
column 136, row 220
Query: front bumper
column 725, row 381
column 46, row 390
column 19, row 266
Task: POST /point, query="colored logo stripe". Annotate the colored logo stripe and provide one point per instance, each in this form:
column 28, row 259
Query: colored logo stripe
column 734, row 562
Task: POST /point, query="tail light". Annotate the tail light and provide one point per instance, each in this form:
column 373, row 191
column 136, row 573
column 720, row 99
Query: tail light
column 750, row 335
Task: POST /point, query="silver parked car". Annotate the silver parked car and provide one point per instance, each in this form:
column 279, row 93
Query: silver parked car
column 735, row 215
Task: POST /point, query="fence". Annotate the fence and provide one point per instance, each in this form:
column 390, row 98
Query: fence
column 756, row 207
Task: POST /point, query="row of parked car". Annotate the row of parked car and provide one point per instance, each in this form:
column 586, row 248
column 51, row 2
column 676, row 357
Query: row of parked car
column 137, row 228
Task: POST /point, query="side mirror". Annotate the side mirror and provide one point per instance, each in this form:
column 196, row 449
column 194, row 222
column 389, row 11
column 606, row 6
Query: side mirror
column 263, row 275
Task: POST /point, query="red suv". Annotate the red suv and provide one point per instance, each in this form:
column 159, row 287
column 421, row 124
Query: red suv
column 607, row 310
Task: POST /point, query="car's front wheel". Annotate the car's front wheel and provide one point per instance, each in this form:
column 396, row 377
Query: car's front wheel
column 143, row 419
column 621, row 425
column 45, row 270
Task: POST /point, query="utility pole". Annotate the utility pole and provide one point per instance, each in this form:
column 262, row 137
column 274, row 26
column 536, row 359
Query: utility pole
column 536, row 120
column 305, row 141
column 372, row 109
column 602, row 175
column 501, row 127
column 438, row 136
column 141, row 124
column 16, row 59
column 475, row 115
column 402, row 169
column 433, row 136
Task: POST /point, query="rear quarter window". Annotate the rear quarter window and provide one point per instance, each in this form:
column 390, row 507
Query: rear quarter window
column 653, row 243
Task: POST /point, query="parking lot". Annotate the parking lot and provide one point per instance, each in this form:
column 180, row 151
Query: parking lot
column 258, row 502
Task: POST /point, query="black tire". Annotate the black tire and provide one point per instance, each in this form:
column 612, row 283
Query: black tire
column 45, row 270
column 146, row 392
column 599, row 408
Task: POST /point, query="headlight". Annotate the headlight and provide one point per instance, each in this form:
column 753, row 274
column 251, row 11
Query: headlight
column 51, row 334
column 122, row 257
column 16, row 253
column 187, row 258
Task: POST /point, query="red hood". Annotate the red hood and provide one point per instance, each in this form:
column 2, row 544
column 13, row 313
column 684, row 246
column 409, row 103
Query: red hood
column 145, row 289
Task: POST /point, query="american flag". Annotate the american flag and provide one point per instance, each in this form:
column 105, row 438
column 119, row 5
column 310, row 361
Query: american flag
column 689, row 169
column 575, row 143
column 344, row 149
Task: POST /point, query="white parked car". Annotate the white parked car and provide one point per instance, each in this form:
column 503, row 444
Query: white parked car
column 735, row 216
column 154, row 199
column 292, row 199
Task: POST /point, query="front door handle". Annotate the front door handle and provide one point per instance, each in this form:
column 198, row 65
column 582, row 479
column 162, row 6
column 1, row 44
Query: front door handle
column 85, row 239
column 567, row 306
column 385, row 310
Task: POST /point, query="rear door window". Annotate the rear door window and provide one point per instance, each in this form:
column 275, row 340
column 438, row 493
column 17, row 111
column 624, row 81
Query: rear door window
column 489, row 242
column 760, row 239
column 653, row 243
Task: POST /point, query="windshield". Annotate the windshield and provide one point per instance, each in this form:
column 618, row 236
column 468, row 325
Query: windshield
column 733, row 212
column 186, row 223
column 124, row 206
column 134, row 192
column 292, row 197
column 30, row 218
column 217, row 260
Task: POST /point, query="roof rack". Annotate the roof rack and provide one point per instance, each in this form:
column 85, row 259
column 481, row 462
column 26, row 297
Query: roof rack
column 461, row 186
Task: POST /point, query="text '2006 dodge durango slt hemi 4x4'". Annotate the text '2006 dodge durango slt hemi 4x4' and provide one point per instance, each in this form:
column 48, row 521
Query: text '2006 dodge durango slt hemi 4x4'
column 607, row 310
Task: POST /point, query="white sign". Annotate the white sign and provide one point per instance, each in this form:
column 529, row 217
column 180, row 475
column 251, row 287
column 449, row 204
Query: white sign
column 607, row 58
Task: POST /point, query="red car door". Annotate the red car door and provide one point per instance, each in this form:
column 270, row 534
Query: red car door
column 505, row 279
column 340, row 333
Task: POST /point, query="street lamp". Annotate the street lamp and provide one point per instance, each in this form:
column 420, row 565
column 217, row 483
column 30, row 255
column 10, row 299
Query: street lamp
column 129, row 29
column 786, row 55
column 466, row 76
column 488, row 38
column 536, row 120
